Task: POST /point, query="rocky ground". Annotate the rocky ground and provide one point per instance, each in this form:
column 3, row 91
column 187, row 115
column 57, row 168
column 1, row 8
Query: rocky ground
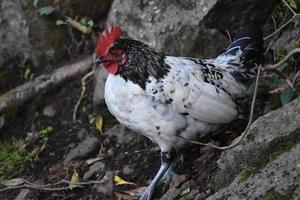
column 265, row 165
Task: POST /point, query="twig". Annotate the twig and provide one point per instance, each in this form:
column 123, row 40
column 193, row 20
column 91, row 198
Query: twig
column 280, row 28
column 238, row 139
column 83, row 90
column 289, row 7
column 49, row 187
column 42, row 83
column 285, row 24
column 296, row 77
column 274, row 66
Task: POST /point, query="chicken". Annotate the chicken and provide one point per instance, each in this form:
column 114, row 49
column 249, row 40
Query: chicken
column 174, row 99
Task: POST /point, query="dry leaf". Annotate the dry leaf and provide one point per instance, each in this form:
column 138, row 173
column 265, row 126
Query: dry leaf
column 99, row 123
column 120, row 181
column 93, row 160
column 74, row 179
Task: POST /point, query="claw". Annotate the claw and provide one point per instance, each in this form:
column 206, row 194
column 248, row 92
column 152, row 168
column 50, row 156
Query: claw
column 164, row 173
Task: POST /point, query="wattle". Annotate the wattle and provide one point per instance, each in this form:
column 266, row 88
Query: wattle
column 111, row 67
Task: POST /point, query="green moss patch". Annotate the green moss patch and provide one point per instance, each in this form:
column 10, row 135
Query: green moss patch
column 13, row 159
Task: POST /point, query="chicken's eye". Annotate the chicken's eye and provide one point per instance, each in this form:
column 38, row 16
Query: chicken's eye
column 117, row 52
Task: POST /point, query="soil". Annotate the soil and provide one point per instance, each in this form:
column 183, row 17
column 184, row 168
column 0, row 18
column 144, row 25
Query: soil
column 137, row 152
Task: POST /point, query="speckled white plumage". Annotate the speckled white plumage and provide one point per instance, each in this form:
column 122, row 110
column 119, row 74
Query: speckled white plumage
column 180, row 104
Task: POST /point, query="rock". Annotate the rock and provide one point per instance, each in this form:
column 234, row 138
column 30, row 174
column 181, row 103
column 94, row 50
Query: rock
column 268, row 137
column 279, row 179
column 89, row 8
column 49, row 111
column 107, row 186
column 83, row 149
column 14, row 31
column 288, row 39
column 191, row 195
column 169, row 26
column 122, row 134
column 187, row 28
column 172, row 193
column 200, row 196
column 127, row 170
column 97, row 167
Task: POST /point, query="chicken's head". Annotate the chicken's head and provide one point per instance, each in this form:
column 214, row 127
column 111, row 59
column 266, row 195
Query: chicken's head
column 112, row 58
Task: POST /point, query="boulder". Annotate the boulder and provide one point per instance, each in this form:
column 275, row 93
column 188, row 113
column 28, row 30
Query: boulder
column 269, row 152
column 279, row 179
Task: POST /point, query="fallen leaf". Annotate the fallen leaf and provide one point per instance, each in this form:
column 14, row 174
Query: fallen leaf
column 93, row 160
column 185, row 192
column 74, row 179
column 99, row 123
column 12, row 182
column 47, row 10
column 120, row 181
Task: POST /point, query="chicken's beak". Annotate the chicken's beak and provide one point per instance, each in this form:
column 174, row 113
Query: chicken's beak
column 99, row 60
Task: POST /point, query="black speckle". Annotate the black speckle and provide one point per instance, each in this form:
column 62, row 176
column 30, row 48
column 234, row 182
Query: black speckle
column 155, row 92
column 148, row 81
column 185, row 113
column 186, row 84
column 157, row 127
column 169, row 101
column 172, row 91
column 185, row 106
column 158, row 133
column 183, row 99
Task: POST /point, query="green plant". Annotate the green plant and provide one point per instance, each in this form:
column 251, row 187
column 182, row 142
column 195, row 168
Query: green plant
column 46, row 131
column 14, row 159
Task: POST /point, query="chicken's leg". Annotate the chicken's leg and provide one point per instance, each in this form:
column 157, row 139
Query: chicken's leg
column 167, row 162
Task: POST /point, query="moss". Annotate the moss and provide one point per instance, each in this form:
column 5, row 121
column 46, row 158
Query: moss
column 222, row 198
column 274, row 195
column 246, row 173
column 283, row 148
column 250, row 137
column 13, row 159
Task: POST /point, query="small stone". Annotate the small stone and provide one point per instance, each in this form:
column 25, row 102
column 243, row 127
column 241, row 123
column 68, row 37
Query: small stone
column 107, row 186
column 177, row 180
column 49, row 111
column 94, row 168
column 127, row 170
column 89, row 145
column 200, row 196
column 110, row 152
column 172, row 193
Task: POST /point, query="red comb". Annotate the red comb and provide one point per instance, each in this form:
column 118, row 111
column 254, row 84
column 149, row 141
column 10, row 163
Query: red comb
column 107, row 38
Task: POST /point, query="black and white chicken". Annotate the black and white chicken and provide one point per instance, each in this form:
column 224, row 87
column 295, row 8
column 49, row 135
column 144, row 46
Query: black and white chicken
column 173, row 99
